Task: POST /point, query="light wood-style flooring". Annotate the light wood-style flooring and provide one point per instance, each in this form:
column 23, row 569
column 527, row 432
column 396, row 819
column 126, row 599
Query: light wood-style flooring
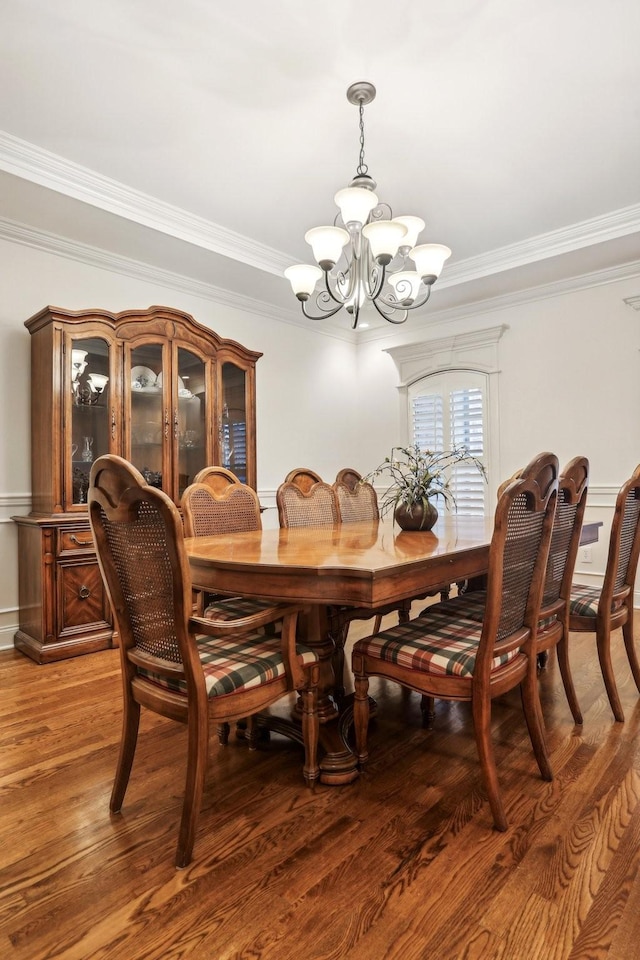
column 401, row 865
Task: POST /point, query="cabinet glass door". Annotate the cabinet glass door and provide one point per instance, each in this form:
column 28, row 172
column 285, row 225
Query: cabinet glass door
column 91, row 425
column 233, row 421
column 149, row 412
column 189, row 423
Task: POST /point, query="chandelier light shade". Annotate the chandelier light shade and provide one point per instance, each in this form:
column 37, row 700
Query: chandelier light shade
column 87, row 388
column 303, row 278
column 367, row 255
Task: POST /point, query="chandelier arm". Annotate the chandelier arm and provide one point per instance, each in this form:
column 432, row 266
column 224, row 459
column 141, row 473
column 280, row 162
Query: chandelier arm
column 378, row 273
column 320, row 316
column 336, row 295
column 396, row 305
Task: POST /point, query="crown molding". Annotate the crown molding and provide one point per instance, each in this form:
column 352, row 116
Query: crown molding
column 610, row 226
column 633, row 302
column 476, row 308
column 136, row 269
column 30, row 162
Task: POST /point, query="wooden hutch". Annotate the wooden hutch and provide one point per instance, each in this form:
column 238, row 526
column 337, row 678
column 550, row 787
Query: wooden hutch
column 153, row 386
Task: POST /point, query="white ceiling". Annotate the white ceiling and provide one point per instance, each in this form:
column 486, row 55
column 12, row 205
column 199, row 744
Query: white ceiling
column 205, row 137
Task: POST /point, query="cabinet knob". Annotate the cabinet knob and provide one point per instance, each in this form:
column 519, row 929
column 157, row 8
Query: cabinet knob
column 84, row 593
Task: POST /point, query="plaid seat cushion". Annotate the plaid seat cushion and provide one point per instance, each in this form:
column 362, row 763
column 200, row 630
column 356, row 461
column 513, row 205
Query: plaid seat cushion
column 468, row 605
column 436, row 642
column 233, row 608
column 231, row 665
column 471, row 605
column 584, row 601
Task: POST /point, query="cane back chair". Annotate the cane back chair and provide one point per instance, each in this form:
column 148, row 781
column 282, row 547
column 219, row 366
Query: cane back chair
column 601, row 610
column 457, row 658
column 553, row 629
column 214, row 504
column 191, row 669
column 217, row 503
column 357, row 501
column 304, row 500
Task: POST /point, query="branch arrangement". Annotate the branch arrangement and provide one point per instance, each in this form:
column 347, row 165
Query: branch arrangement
column 417, row 476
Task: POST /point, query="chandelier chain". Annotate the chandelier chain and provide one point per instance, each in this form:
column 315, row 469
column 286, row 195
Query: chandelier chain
column 362, row 167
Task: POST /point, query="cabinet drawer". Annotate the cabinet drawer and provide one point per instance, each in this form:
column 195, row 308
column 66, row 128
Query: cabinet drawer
column 81, row 602
column 70, row 541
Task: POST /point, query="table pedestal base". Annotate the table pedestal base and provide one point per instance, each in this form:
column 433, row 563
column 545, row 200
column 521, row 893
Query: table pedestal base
column 338, row 764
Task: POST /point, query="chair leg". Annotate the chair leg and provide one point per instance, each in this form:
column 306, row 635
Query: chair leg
column 535, row 724
column 627, row 633
column 603, row 640
column 251, row 733
column 361, row 717
column 223, row 734
column 567, row 678
column 377, row 623
column 481, row 708
column 310, row 735
column 129, row 739
column 197, row 755
column 428, row 708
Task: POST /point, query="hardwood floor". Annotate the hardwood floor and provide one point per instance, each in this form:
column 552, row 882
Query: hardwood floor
column 402, row 865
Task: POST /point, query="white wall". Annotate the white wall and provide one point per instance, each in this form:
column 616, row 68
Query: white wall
column 569, row 382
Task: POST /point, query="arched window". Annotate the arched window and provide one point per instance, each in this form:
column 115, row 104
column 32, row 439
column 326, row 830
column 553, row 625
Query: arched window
column 449, row 397
column 449, row 410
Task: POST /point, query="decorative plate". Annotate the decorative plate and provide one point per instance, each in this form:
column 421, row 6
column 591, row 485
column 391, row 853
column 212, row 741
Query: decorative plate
column 142, row 378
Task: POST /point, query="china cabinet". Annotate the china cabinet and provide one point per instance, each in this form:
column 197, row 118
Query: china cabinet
column 153, row 386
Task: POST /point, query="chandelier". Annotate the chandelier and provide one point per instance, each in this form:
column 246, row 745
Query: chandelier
column 365, row 255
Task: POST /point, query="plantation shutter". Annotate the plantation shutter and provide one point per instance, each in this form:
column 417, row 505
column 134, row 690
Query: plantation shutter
column 449, row 410
column 466, row 428
column 428, row 422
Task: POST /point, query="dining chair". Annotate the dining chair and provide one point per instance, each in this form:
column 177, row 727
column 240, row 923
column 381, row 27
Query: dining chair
column 303, row 477
column 194, row 670
column 305, row 500
column 217, row 503
column 458, row 658
column 350, row 477
column 601, row 610
column 357, row 501
column 553, row 628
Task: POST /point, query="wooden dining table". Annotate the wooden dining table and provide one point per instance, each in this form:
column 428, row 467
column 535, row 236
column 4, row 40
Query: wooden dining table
column 365, row 564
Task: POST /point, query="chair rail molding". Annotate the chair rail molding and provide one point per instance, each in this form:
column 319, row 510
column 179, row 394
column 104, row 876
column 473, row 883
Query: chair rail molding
column 13, row 503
